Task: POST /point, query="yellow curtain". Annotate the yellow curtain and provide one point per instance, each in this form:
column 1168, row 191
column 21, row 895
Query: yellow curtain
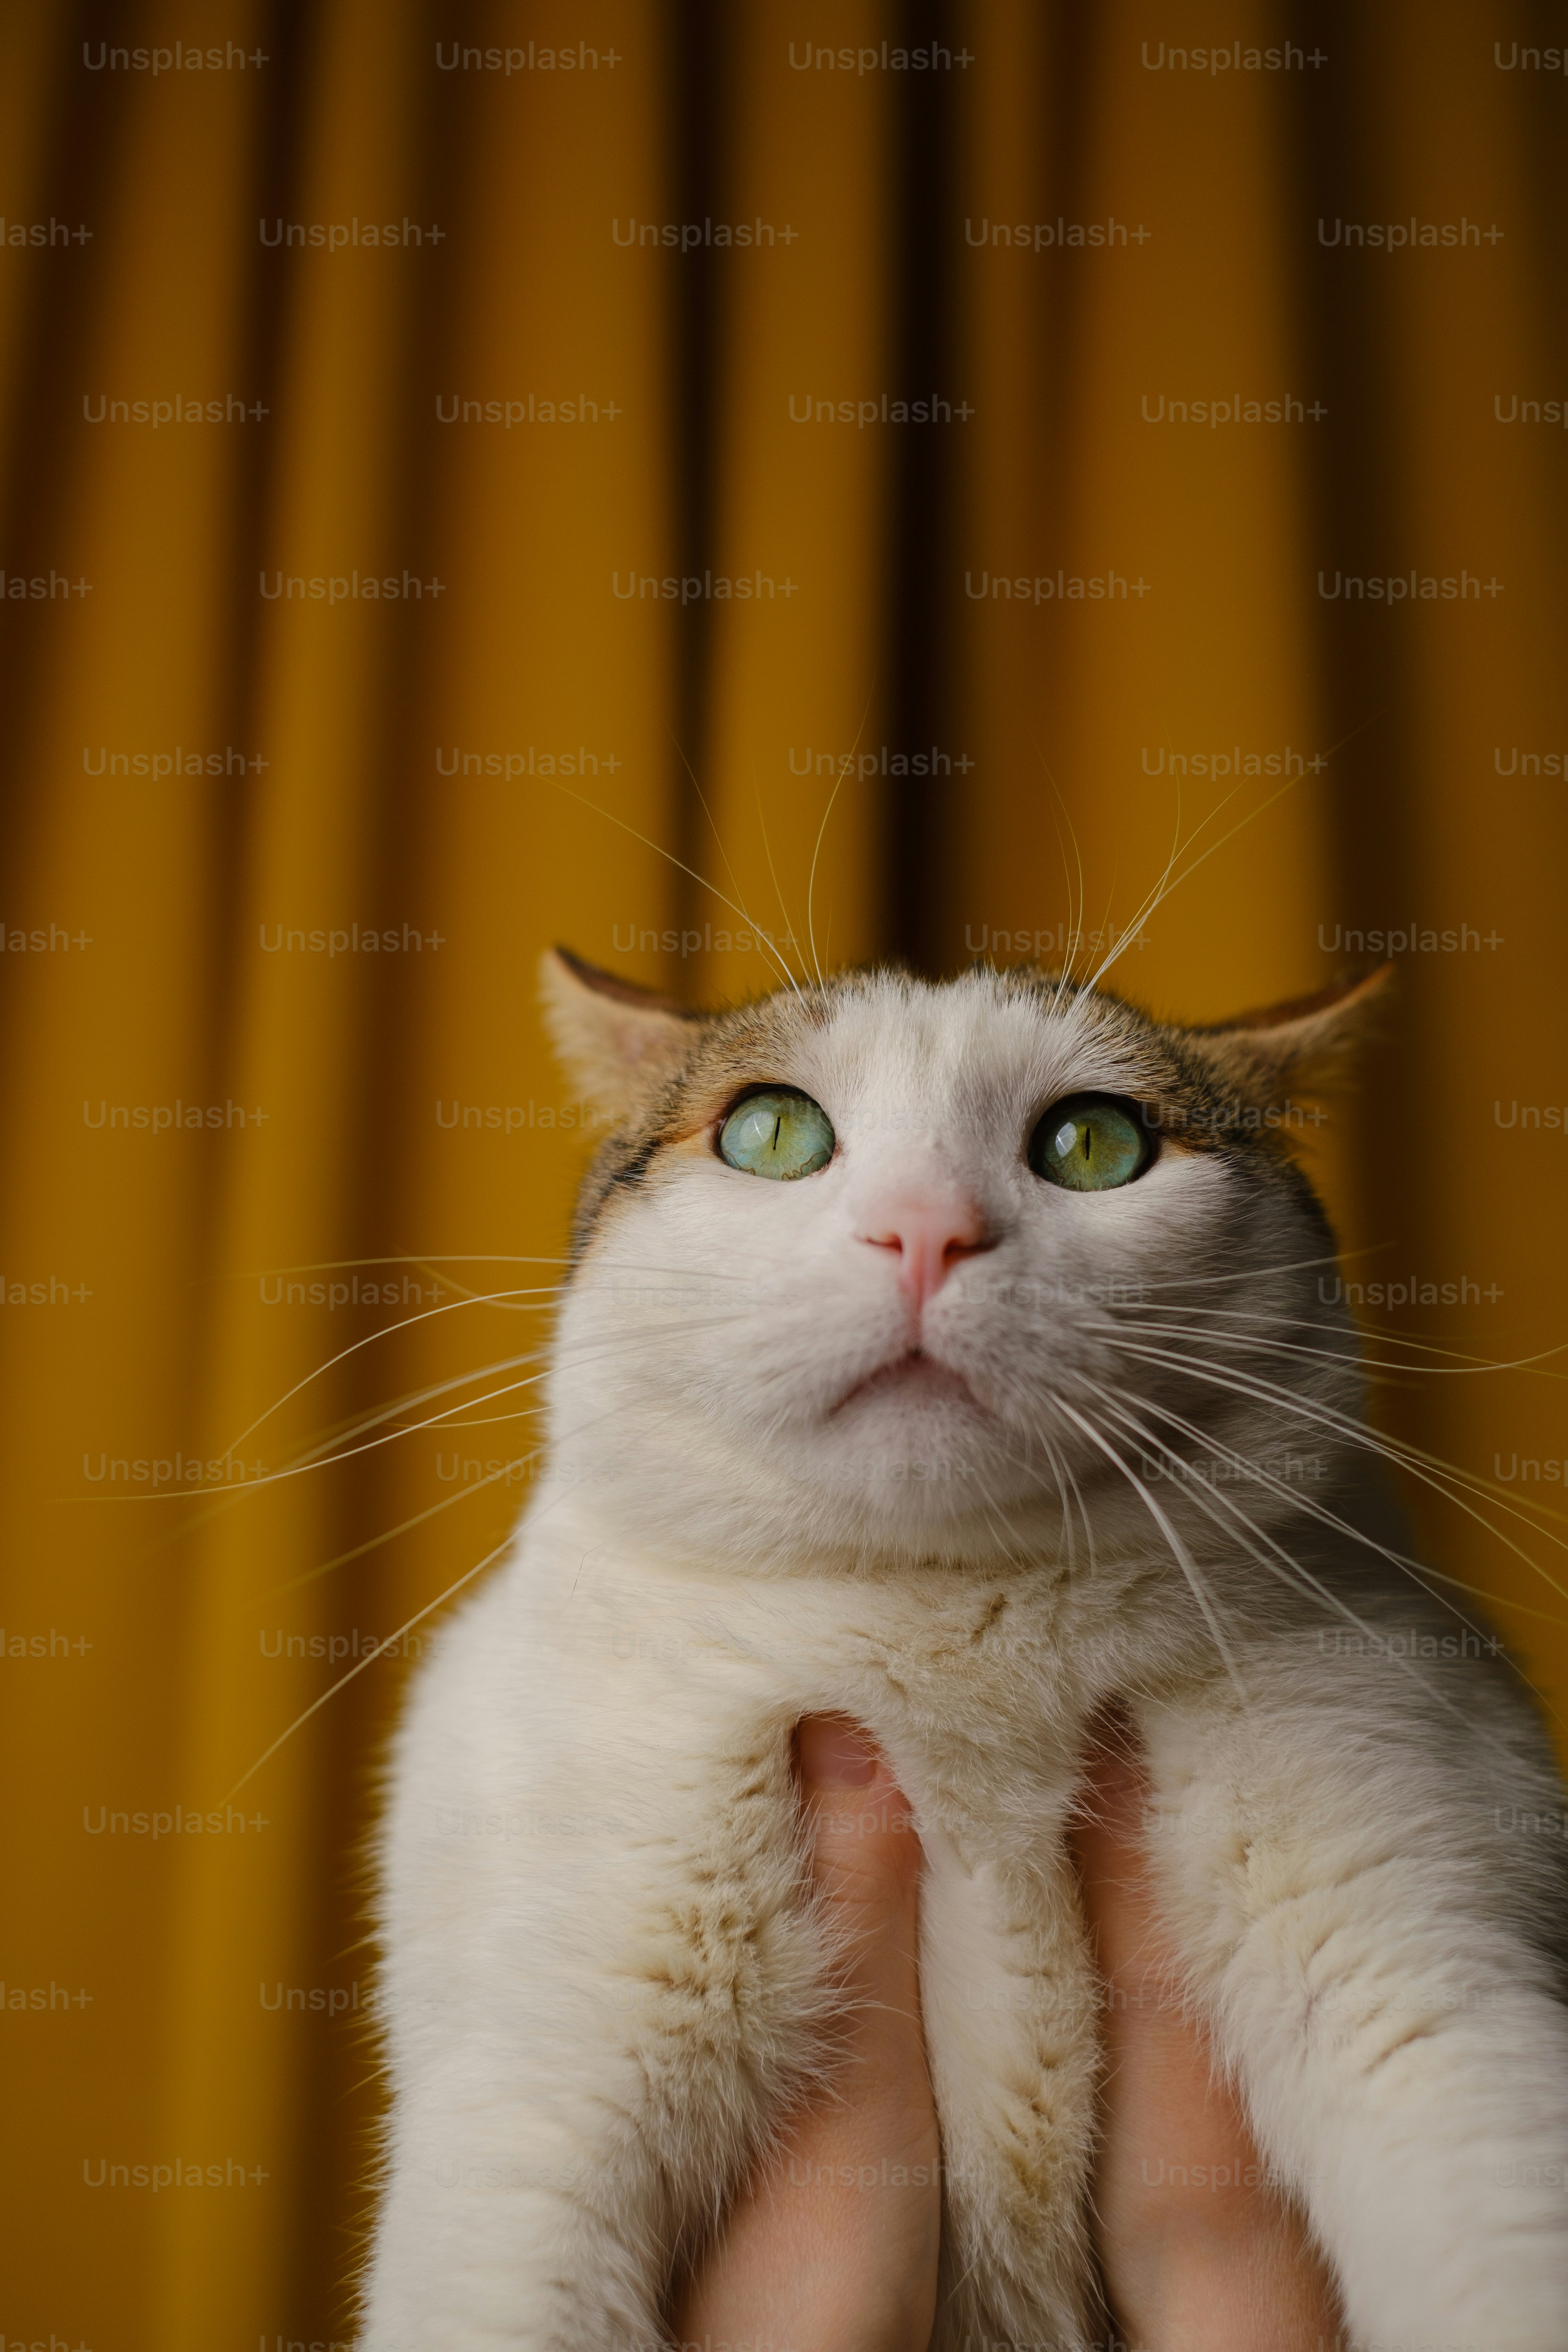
column 992, row 666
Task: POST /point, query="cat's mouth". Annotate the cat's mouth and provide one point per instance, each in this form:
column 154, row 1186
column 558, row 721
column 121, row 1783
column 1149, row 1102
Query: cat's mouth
column 915, row 1378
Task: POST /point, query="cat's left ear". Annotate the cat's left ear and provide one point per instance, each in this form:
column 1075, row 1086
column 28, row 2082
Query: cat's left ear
column 614, row 1040
column 1304, row 1041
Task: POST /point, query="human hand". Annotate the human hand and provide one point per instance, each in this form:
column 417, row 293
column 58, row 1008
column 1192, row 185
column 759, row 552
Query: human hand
column 823, row 2253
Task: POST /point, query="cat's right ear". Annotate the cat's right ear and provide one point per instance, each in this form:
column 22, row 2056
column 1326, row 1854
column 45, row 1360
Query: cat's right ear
column 613, row 1040
column 1301, row 1042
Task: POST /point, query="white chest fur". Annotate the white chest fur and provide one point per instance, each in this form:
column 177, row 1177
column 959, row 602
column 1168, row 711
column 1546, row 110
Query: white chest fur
column 594, row 1857
column 605, row 1980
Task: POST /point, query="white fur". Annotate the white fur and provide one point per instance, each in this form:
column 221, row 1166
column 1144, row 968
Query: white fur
column 603, row 1981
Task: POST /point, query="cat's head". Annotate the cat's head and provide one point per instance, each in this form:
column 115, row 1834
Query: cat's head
column 933, row 1271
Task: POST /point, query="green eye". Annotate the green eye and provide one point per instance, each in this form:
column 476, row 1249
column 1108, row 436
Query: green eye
column 1089, row 1145
column 777, row 1133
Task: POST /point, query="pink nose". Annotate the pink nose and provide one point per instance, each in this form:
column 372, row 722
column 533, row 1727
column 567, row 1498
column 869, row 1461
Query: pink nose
column 930, row 1237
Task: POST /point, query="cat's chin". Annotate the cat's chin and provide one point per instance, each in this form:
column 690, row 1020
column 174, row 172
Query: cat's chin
column 913, row 1381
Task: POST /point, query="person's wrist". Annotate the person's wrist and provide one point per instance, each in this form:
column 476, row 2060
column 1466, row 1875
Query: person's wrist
column 1194, row 2276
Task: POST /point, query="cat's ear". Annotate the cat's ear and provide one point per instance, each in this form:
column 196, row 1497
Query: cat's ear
column 1304, row 1041
column 613, row 1040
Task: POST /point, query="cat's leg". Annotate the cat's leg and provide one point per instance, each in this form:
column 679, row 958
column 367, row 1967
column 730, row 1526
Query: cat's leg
column 547, row 2159
column 599, row 1998
column 1344, row 1913
column 1007, row 1990
column 504, row 2225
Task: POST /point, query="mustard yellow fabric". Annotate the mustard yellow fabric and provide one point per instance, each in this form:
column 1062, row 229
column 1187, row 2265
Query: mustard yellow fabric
column 1067, row 233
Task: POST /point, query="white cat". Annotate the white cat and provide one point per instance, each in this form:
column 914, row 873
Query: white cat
column 951, row 1357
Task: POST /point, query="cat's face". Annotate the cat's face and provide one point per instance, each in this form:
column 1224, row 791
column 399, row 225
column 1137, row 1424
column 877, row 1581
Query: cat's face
column 932, row 1270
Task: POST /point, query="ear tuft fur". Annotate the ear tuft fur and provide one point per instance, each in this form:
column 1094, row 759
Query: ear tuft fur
column 614, row 1040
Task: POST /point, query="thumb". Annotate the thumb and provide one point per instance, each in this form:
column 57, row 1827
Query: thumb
column 866, row 1855
column 1108, row 1844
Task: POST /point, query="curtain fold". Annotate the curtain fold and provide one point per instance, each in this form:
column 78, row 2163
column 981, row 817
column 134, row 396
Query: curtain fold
column 796, row 677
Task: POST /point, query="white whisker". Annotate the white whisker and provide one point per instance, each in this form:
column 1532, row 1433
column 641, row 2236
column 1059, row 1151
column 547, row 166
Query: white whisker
column 1286, row 1560
column 1354, row 1432
column 1178, row 1548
